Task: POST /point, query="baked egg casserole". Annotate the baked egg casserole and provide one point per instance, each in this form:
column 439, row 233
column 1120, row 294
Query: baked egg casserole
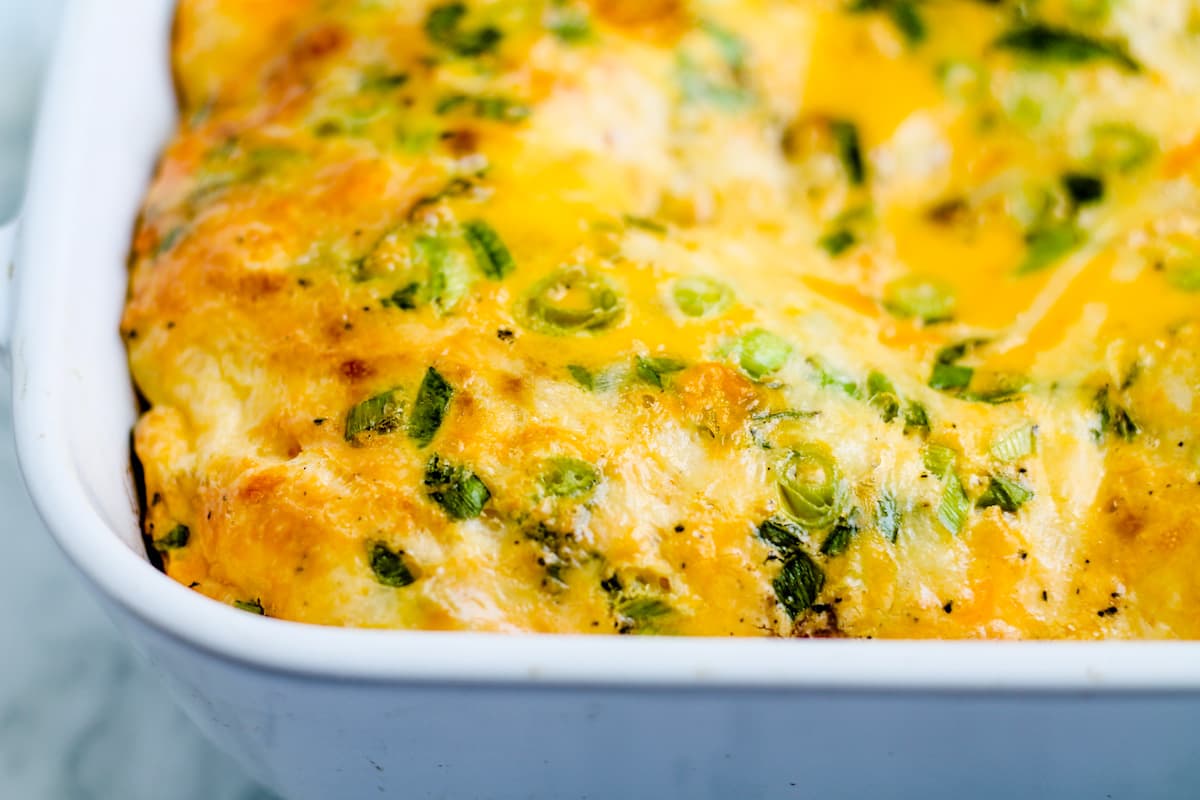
column 866, row 318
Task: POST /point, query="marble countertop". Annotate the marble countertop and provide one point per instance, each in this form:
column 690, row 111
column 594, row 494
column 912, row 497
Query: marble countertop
column 80, row 717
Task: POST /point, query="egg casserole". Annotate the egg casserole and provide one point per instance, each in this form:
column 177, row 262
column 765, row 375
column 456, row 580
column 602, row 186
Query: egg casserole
column 866, row 318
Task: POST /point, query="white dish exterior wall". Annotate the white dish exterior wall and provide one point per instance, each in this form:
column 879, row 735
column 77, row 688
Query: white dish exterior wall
column 317, row 738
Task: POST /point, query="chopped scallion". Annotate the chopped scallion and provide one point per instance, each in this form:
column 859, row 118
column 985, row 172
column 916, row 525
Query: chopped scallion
column 1007, row 494
column 1184, row 277
column 569, row 477
column 644, row 223
column 378, row 415
column 1118, row 146
column 762, row 353
column 582, row 375
column 916, row 418
column 837, row 241
column 920, row 297
column 491, row 255
column 1049, row 43
column 1082, row 188
column 448, row 271
column 570, row 25
column 388, row 565
column 644, row 613
column 838, row 540
column 887, row 516
column 572, row 299
column 904, row 14
column 810, row 486
column 882, row 396
column 939, row 459
column 653, row 369
column 444, row 27
column 782, row 534
column 799, row 583
column 830, row 378
column 1045, row 247
column 954, row 507
column 429, row 409
column 1014, row 445
column 173, row 539
column 1123, row 424
column 456, row 489
column 849, row 145
column 950, row 377
column 251, row 606
column 1113, row 418
column 404, row 298
column 699, row 296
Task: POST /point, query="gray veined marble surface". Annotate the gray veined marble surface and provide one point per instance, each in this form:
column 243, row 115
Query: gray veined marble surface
column 80, row 717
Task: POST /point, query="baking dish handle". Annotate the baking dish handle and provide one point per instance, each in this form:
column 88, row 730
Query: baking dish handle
column 8, row 269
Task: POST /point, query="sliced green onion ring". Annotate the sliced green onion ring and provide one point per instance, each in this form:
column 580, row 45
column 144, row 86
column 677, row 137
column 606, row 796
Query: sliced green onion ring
column 568, row 477
column 1006, row 494
column 921, row 297
column 762, row 353
column 1014, row 445
column 810, row 485
column 939, row 459
column 954, row 506
column 700, row 296
column 1118, row 146
column 572, row 299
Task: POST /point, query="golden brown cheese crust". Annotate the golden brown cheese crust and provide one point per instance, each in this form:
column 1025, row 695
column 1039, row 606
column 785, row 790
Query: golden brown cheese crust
column 713, row 318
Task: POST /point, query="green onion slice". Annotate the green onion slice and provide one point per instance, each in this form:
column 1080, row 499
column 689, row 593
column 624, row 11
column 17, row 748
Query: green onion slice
column 762, row 353
column 568, row 477
column 849, row 145
column 837, row 241
column 1007, row 494
column 1184, row 277
column 433, row 398
column 644, row 613
column 1066, row 46
column 887, row 516
column 939, row 459
column 699, row 296
column 882, row 396
column 916, row 418
column 810, row 485
column 1118, row 146
column 491, row 254
column 456, row 489
column 782, row 534
column 799, row 583
column 572, row 299
column 444, row 27
column 1047, row 246
column 389, row 565
column 654, row 369
column 174, row 539
column 250, row 606
column 376, row 415
column 950, row 377
column 1014, row 445
column 920, row 297
column 838, row 540
column 954, row 506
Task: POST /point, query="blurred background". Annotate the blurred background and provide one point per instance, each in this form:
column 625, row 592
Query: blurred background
column 79, row 716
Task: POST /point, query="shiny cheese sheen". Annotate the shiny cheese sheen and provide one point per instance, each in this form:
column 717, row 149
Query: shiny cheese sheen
column 310, row 241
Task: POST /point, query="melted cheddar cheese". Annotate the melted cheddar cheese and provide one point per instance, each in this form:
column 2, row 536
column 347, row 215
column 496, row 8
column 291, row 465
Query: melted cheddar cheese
column 876, row 318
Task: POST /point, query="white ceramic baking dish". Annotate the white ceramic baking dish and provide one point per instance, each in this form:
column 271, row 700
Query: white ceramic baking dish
column 329, row 713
